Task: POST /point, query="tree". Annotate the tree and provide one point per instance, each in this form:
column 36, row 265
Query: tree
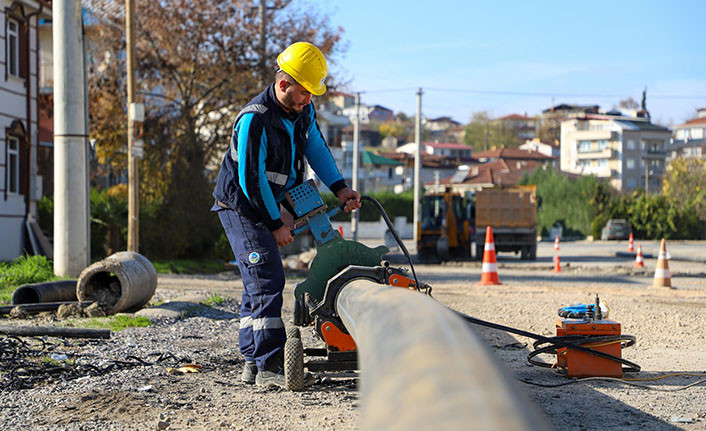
column 396, row 130
column 197, row 65
column 482, row 133
column 628, row 103
column 685, row 182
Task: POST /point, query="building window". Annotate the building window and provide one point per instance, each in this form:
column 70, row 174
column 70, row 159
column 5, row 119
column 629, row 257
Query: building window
column 584, row 146
column 603, row 163
column 13, row 165
column 630, row 163
column 631, row 183
column 631, row 144
column 13, row 48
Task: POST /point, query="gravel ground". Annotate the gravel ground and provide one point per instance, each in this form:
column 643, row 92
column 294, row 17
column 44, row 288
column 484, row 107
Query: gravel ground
column 670, row 326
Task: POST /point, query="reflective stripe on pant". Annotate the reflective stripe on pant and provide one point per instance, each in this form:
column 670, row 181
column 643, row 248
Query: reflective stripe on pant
column 261, row 333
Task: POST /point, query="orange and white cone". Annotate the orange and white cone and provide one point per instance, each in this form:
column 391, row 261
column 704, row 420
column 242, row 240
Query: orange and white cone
column 631, row 246
column 556, row 243
column 557, row 264
column 639, row 261
column 663, row 278
column 340, row 230
column 489, row 271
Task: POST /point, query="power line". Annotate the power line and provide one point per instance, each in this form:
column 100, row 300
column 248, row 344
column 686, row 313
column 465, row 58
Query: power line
column 551, row 94
column 531, row 93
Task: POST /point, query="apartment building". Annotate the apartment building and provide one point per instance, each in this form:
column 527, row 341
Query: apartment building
column 689, row 139
column 629, row 152
column 20, row 182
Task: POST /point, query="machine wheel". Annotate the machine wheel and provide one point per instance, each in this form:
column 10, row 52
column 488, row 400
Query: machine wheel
column 293, row 332
column 294, row 364
column 442, row 249
column 524, row 252
column 533, row 252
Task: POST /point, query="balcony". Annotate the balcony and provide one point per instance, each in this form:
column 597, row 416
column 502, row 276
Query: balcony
column 594, row 135
column 605, row 153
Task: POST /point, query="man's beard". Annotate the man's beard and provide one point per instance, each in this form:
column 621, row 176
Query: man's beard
column 290, row 106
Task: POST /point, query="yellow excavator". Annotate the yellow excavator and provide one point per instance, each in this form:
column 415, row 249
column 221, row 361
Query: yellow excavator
column 446, row 228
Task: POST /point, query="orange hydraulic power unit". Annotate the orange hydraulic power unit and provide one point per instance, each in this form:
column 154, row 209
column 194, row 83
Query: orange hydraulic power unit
column 582, row 364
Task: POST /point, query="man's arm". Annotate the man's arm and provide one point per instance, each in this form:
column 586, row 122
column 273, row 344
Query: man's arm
column 252, row 152
column 320, row 158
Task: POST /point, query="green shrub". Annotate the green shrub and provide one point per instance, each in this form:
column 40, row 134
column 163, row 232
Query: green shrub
column 24, row 270
column 395, row 205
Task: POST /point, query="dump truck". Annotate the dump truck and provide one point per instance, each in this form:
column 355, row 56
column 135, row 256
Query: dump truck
column 446, row 228
column 512, row 213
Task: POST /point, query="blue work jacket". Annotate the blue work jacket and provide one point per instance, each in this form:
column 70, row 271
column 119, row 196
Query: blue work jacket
column 267, row 155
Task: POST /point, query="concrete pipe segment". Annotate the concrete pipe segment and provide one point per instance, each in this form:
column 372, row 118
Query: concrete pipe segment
column 120, row 282
column 423, row 368
column 53, row 291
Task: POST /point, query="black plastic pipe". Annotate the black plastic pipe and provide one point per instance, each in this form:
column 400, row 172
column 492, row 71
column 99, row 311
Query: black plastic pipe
column 52, row 291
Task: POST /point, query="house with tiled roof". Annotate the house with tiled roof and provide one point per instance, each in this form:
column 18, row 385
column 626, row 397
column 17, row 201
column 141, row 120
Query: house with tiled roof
column 471, row 178
column 689, row 139
column 513, row 154
column 521, row 126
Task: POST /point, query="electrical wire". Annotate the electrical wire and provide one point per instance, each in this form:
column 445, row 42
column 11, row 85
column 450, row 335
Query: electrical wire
column 569, row 341
column 624, row 381
column 391, row 227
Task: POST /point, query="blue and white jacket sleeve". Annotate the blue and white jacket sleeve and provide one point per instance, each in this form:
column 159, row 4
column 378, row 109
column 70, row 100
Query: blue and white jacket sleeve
column 252, row 153
column 320, row 157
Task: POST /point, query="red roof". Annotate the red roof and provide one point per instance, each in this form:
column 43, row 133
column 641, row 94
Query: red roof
column 447, row 145
column 498, row 172
column 695, row 121
column 512, row 153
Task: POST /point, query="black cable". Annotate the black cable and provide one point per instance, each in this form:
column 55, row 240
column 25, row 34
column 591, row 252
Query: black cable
column 555, row 342
column 394, row 234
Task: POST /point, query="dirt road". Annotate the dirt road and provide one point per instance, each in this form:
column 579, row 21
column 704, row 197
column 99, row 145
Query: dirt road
column 670, row 326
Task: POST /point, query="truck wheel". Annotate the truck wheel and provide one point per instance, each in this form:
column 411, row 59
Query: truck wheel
column 524, row 253
column 294, row 364
column 533, row 252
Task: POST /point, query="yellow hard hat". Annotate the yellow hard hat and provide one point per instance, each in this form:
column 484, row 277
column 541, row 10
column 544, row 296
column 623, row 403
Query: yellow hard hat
column 306, row 64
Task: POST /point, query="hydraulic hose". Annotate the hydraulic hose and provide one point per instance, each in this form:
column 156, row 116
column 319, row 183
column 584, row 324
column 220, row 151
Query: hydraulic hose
column 391, row 227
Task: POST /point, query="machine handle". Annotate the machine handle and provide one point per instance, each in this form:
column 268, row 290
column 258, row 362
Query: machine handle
column 330, row 213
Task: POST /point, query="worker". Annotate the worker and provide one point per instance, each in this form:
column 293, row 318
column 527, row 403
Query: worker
column 272, row 136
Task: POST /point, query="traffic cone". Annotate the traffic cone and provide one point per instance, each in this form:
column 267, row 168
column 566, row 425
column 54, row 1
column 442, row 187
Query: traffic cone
column 639, row 261
column 556, row 243
column 631, row 247
column 557, row 264
column 489, row 271
column 663, row 278
column 340, row 230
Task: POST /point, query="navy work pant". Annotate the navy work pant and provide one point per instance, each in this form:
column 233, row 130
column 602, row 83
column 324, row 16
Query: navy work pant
column 262, row 333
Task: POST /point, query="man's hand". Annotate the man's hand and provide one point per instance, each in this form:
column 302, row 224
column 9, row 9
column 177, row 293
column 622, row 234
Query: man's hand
column 283, row 236
column 349, row 197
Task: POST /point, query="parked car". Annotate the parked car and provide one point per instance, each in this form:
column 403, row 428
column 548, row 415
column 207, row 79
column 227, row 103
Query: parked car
column 615, row 229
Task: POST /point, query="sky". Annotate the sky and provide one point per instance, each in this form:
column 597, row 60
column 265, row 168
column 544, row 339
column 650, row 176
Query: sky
column 509, row 57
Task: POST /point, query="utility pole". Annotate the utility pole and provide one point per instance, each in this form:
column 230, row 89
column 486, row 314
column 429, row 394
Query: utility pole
column 262, row 9
column 417, row 166
column 133, row 210
column 262, row 48
column 356, row 158
column 71, row 203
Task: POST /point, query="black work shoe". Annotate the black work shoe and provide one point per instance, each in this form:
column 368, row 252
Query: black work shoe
column 249, row 372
